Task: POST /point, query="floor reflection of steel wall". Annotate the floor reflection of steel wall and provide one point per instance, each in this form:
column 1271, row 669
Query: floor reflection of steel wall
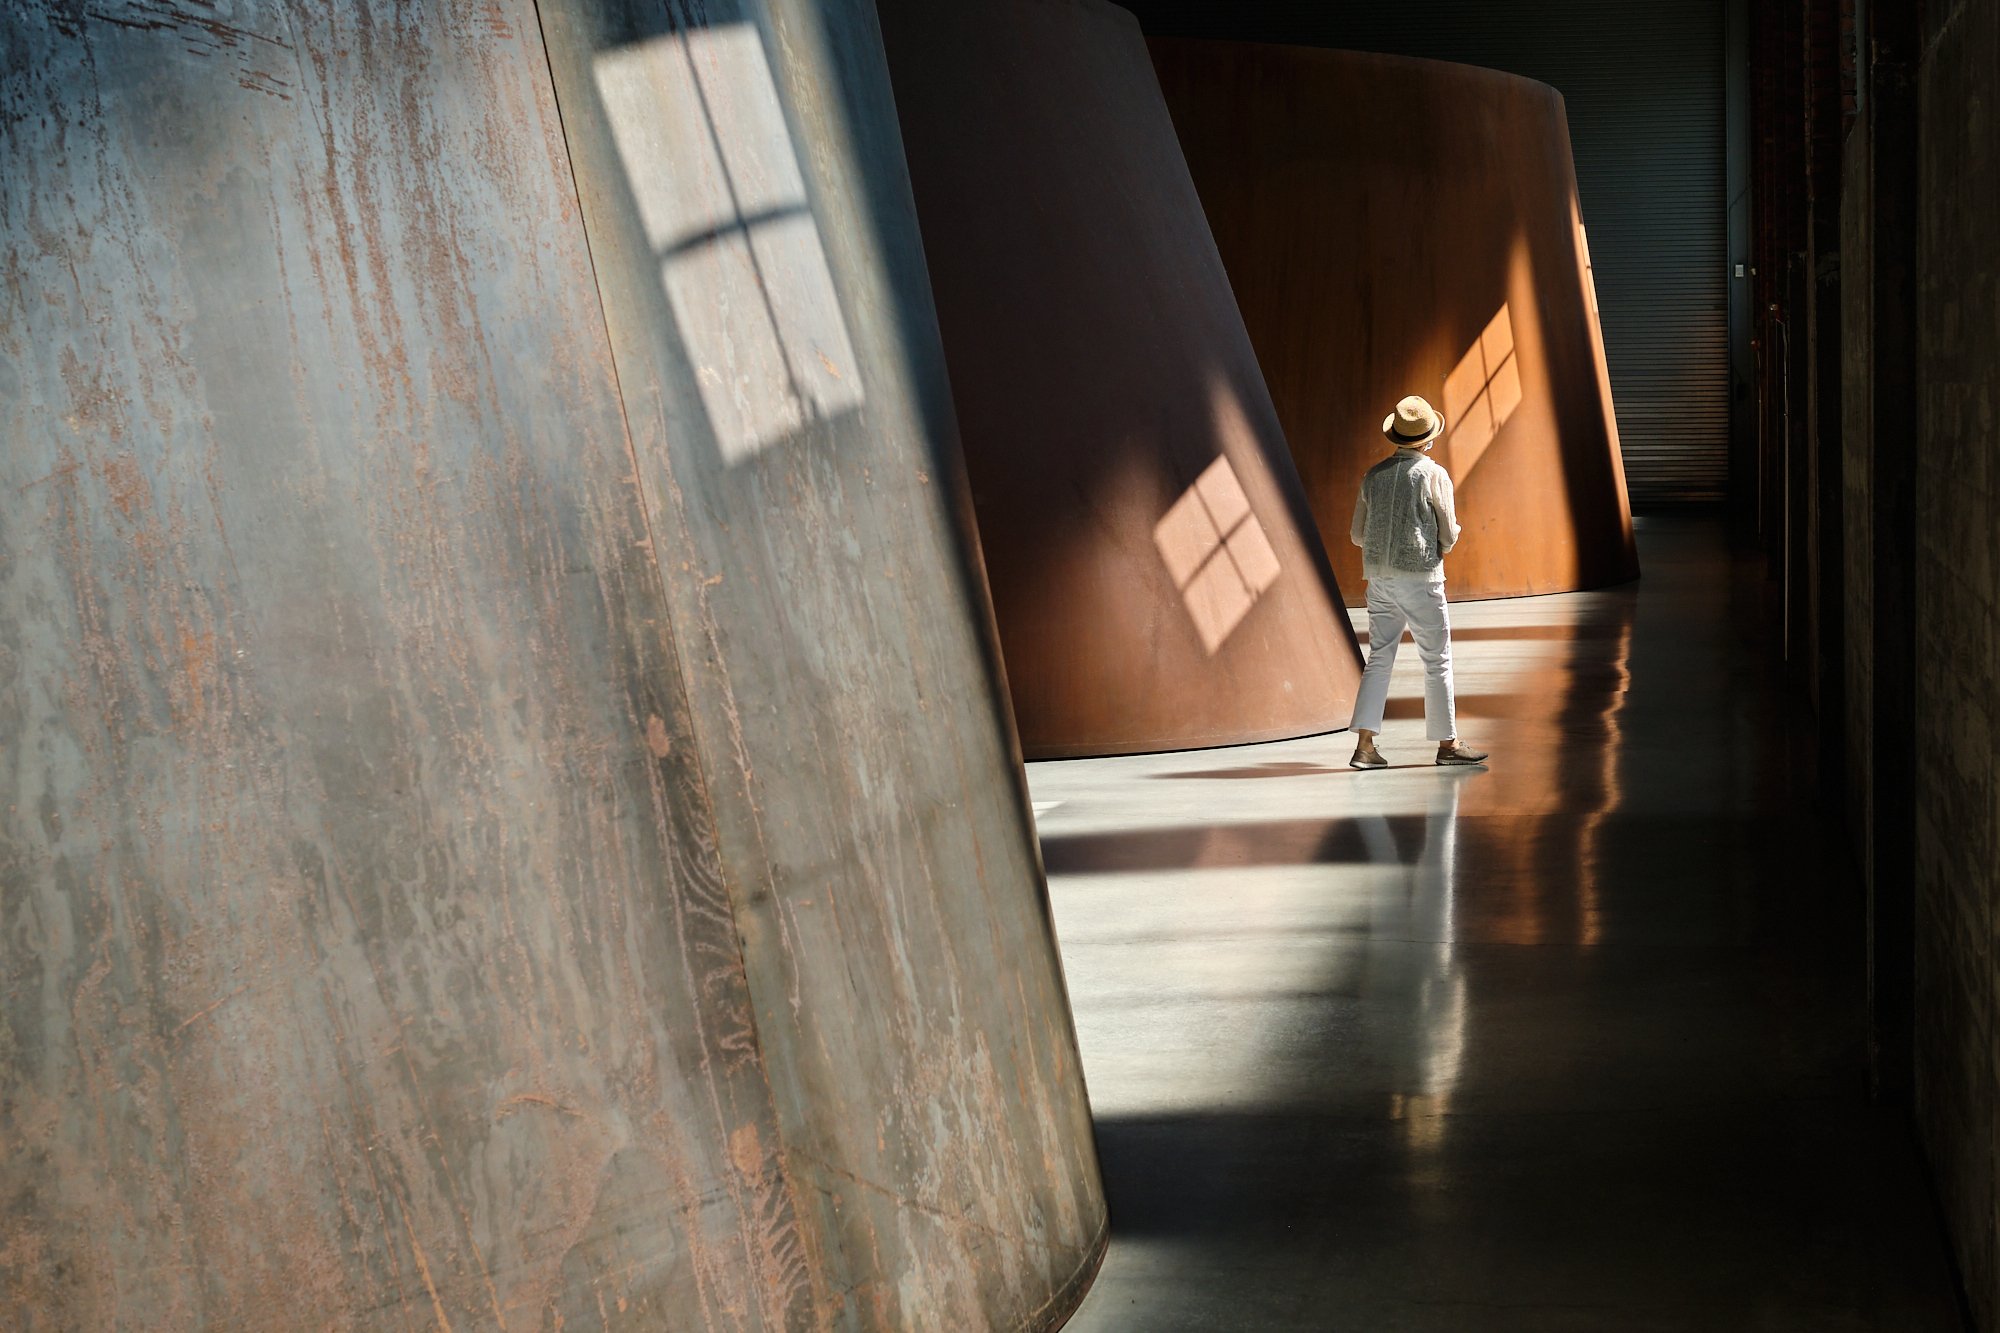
column 1398, row 226
column 465, row 861
column 1156, row 575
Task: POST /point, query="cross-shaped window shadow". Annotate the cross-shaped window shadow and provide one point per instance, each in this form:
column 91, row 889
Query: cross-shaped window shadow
column 1217, row 553
column 1480, row 394
column 701, row 133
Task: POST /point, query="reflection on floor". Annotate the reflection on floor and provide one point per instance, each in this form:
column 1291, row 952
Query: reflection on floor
column 1568, row 1044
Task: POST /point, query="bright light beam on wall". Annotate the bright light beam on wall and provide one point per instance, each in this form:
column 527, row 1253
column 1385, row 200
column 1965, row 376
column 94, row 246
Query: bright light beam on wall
column 1217, row 553
column 1480, row 395
column 702, row 137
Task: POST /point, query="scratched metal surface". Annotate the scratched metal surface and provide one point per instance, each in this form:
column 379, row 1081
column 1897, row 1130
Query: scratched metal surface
column 399, row 928
column 1386, row 223
column 1157, row 576
column 365, row 950
column 744, row 189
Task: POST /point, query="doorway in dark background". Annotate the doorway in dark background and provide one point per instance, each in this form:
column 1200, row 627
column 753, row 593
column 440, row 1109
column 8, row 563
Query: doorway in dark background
column 1644, row 85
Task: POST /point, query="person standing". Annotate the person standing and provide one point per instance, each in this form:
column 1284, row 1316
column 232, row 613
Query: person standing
column 1405, row 525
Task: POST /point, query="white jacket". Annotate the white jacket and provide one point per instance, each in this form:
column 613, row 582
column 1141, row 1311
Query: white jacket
column 1403, row 518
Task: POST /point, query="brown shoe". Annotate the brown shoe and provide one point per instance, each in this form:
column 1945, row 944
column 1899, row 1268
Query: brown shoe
column 1458, row 752
column 1367, row 759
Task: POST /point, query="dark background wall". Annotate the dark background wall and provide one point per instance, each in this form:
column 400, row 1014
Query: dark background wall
column 1957, row 546
column 1879, row 179
column 1644, row 89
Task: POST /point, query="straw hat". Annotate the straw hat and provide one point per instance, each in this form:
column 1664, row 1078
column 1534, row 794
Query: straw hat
column 1413, row 423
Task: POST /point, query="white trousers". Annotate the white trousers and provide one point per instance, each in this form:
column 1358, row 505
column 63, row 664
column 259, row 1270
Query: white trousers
column 1399, row 601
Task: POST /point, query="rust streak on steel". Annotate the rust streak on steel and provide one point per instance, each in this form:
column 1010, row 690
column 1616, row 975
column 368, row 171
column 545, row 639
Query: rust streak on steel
column 1156, row 573
column 1396, row 226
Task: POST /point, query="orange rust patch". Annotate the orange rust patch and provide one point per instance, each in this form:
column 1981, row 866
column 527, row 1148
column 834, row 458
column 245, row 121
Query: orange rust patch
column 746, row 1150
column 198, row 660
column 657, row 739
column 129, row 489
column 515, row 1103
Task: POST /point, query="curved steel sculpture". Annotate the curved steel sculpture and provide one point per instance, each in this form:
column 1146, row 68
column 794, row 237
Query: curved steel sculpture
column 1397, row 226
column 507, row 808
column 1156, row 575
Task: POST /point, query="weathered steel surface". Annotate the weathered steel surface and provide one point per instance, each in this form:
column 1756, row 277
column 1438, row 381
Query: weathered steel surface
column 366, row 954
column 395, row 780
column 786, row 398
column 1156, row 575
column 1398, row 226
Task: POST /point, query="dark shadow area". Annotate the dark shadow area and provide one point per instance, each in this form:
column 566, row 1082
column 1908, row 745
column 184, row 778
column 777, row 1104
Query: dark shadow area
column 1506, row 848
column 1292, row 769
column 1405, row 708
column 1698, row 1215
column 1277, row 843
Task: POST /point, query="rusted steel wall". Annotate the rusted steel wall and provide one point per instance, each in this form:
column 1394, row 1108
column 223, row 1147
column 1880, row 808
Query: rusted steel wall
column 1397, row 226
column 748, row 208
column 463, row 862
column 1155, row 570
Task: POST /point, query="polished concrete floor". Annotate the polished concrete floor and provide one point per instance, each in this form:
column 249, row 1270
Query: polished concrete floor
column 1571, row 1043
